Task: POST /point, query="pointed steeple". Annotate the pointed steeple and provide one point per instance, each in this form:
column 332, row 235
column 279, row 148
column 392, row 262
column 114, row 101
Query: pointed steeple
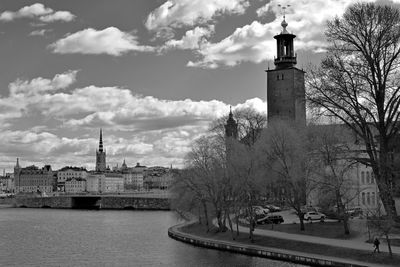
column 17, row 165
column 231, row 126
column 101, row 141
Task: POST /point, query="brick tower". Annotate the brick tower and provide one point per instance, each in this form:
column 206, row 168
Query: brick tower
column 285, row 83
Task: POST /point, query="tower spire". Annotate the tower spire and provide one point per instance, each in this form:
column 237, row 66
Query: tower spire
column 101, row 141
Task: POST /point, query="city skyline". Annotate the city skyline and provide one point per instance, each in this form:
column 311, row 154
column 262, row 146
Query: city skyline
column 151, row 74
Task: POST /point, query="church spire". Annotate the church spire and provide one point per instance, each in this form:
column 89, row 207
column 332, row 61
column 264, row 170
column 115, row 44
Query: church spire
column 101, row 141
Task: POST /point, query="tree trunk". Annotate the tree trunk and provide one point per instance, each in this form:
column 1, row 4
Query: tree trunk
column 389, row 245
column 230, row 225
column 346, row 224
column 237, row 224
column 206, row 215
column 301, row 217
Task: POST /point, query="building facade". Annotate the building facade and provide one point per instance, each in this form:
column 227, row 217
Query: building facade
column 68, row 173
column 34, row 180
column 75, row 185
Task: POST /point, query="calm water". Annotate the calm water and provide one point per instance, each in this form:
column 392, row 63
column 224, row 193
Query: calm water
column 51, row 237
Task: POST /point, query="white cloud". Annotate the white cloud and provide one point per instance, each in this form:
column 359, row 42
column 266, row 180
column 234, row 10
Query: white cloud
column 178, row 13
column 109, row 41
column 192, row 39
column 255, row 42
column 37, row 85
column 39, row 11
column 157, row 131
column 58, row 16
column 41, row 32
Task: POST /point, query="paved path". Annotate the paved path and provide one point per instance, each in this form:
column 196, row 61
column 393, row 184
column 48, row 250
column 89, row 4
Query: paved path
column 353, row 244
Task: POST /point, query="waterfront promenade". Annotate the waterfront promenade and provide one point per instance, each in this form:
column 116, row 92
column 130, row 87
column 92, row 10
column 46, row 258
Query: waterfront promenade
column 283, row 254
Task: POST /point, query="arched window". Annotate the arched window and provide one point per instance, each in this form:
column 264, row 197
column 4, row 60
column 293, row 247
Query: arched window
column 373, row 198
column 368, row 199
column 363, row 198
column 368, row 177
column 277, row 77
column 362, row 177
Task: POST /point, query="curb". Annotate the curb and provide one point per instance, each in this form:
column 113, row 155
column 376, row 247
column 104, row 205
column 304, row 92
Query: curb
column 258, row 251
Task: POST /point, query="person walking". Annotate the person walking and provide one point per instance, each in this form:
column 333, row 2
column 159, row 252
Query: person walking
column 376, row 245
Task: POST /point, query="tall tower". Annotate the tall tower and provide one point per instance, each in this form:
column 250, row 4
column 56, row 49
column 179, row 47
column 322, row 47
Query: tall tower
column 231, row 126
column 17, row 179
column 101, row 155
column 285, row 83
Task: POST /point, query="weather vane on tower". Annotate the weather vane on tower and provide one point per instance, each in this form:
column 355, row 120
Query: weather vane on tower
column 283, row 9
column 284, row 23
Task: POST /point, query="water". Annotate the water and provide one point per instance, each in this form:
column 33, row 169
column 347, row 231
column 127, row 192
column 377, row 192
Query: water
column 51, row 237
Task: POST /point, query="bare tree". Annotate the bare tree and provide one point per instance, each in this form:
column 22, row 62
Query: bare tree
column 288, row 160
column 250, row 125
column 358, row 83
column 333, row 165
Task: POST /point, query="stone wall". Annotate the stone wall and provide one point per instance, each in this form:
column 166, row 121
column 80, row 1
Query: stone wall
column 44, row 202
column 106, row 202
column 257, row 251
column 135, row 203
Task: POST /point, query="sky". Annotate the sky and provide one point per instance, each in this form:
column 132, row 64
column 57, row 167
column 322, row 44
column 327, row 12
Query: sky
column 152, row 74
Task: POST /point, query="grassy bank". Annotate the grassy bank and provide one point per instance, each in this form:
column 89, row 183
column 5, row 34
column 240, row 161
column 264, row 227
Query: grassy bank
column 368, row 257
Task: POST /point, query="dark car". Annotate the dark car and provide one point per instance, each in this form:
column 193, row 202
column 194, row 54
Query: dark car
column 275, row 219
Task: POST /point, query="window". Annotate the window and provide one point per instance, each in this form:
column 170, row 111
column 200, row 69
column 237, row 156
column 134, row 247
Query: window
column 368, row 199
column 277, row 77
column 373, row 198
column 363, row 198
column 362, row 177
column 368, row 176
column 282, row 76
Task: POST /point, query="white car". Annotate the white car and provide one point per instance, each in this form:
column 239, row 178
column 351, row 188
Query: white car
column 314, row 215
column 260, row 210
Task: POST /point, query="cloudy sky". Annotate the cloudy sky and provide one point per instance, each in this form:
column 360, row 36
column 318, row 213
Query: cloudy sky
column 151, row 73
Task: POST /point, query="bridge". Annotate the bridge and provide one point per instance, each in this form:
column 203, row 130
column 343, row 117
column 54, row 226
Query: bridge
column 139, row 202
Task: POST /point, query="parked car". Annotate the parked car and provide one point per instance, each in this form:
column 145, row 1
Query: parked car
column 314, row 215
column 260, row 210
column 272, row 208
column 275, row 219
column 354, row 211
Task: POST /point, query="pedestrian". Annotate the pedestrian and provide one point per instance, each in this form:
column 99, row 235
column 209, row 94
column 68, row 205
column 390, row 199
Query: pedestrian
column 376, row 244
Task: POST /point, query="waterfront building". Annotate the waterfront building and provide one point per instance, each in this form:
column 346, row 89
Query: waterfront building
column 111, row 182
column 93, row 182
column 34, row 180
column 69, row 172
column 75, row 185
column 158, row 178
column 101, row 155
column 7, row 183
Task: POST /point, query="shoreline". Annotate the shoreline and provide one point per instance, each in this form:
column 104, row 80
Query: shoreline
column 293, row 256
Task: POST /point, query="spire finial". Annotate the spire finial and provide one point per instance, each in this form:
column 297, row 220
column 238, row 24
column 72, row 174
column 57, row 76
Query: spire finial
column 284, row 24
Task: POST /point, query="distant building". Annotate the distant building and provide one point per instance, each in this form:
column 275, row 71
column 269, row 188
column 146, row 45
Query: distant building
column 111, row 182
column 93, row 182
column 158, row 178
column 68, row 173
column 75, row 185
column 101, row 155
column 7, row 183
column 32, row 179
